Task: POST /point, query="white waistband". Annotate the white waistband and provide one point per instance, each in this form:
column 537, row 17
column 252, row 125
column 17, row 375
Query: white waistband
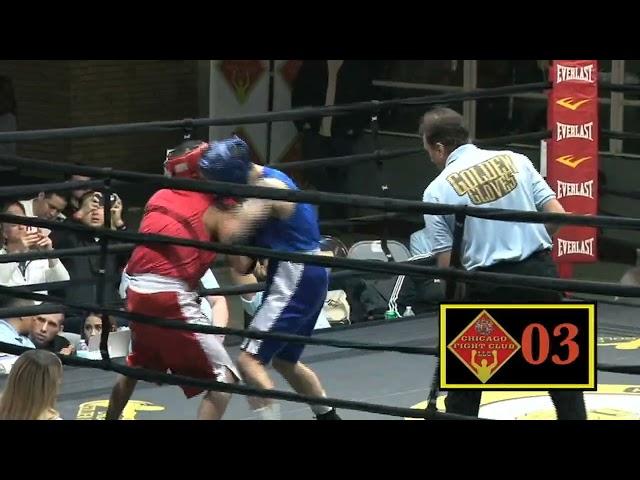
column 150, row 283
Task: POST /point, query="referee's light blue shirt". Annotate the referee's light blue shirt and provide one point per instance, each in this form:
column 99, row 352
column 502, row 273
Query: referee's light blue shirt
column 8, row 334
column 491, row 179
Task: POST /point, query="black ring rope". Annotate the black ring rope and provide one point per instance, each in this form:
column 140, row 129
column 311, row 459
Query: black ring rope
column 375, row 218
column 212, row 385
column 384, row 184
column 620, row 135
column 335, row 279
column 388, row 204
column 619, row 87
column 209, row 329
column 62, row 252
column 56, row 305
column 102, row 270
column 621, row 156
column 632, row 194
column 62, row 284
column 377, row 155
column 285, row 115
column 515, row 138
column 293, row 114
column 33, row 189
column 397, row 268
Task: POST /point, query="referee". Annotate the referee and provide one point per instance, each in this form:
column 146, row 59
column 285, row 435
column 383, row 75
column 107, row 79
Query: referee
column 492, row 179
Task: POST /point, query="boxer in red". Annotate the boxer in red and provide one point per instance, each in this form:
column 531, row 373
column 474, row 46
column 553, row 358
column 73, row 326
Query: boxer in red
column 162, row 283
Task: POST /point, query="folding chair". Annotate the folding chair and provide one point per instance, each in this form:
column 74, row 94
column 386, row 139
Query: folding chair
column 372, row 250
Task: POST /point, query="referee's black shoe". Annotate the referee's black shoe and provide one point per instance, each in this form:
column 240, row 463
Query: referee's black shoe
column 330, row 415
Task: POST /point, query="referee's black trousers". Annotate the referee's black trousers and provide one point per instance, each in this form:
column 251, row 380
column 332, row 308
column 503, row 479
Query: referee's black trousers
column 569, row 404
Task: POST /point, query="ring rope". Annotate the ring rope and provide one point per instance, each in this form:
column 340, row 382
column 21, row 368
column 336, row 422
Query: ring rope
column 632, row 194
column 376, row 155
column 209, row 329
column 60, row 253
column 19, row 190
column 281, row 116
column 335, row 279
column 298, row 165
column 293, row 114
column 397, row 268
column 389, row 204
column 620, row 135
column 212, row 385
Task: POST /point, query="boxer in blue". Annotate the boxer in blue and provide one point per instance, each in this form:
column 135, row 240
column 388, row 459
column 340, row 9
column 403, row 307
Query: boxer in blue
column 295, row 292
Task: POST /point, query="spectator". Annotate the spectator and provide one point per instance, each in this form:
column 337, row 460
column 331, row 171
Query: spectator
column 15, row 330
column 91, row 211
column 44, row 333
column 76, row 195
column 32, row 388
column 88, row 266
column 92, row 326
column 21, row 238
column 87, row 346
column 47, row 206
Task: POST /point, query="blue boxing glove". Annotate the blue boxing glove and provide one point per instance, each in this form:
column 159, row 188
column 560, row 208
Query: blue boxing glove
column 228, row 160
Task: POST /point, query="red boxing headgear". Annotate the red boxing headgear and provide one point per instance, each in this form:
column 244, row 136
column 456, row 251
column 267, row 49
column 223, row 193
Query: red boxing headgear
column 185, row 165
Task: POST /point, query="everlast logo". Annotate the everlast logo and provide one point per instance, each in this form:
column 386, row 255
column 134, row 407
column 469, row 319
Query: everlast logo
column 571, row 247
column 571, row 103
column 577, row 74
column 487, row 181
column 583, row 130
column 571, row 160
column 582, row 189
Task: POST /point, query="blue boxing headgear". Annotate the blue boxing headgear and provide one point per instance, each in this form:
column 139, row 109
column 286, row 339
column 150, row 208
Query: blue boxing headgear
column 227, row 161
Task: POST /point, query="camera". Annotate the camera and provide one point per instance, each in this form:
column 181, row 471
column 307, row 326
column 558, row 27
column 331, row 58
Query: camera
column 112, row 198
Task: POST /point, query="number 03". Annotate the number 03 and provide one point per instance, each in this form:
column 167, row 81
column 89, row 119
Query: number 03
column 544, row 344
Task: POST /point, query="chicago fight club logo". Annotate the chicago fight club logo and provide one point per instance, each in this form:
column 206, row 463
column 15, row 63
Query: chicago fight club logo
column 575, row 247
column 576, row 74
column 580, row 189
column 242, row 76
column 581, row 130
column 571, row 161
column 484, row 346
column 572, row 103
column 97, row 410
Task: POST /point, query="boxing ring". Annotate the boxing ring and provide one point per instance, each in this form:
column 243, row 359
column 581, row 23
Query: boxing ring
column 376, row 370
column 383, row 378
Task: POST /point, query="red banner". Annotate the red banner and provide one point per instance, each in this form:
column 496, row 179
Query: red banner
column 572, row 158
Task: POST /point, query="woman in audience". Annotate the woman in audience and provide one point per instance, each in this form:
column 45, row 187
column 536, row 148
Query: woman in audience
column 92, row 326
column 20, row 239
column 32, row 387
